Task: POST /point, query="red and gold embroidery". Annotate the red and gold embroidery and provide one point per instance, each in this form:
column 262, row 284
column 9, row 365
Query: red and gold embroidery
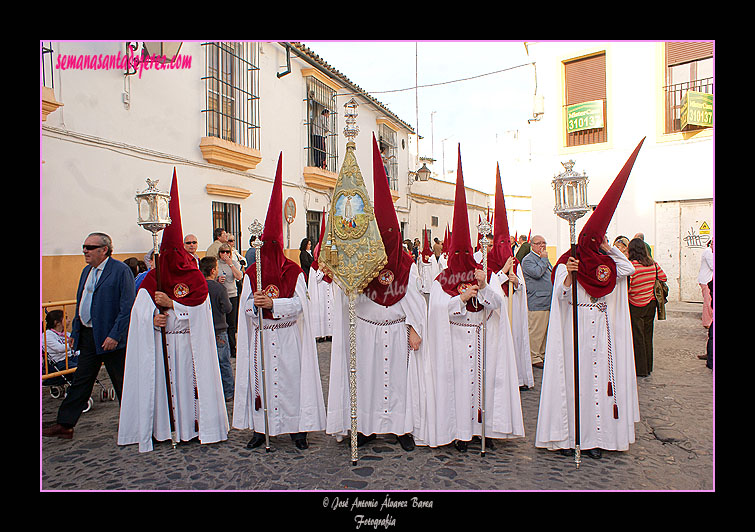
column 603, row 273
column 385, row 277
column 272, row 291
column 180, row 290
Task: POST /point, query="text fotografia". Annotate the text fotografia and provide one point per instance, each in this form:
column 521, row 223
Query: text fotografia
column 123, row 62
column 358, row 505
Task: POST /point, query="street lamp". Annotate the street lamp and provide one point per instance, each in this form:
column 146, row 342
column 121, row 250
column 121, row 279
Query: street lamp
column 423, row 174
column 162, row 52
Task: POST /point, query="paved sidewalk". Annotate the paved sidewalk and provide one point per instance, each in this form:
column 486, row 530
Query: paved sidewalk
column 673, row 448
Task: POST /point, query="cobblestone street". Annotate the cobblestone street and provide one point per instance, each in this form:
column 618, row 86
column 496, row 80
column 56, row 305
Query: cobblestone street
column 673, row 448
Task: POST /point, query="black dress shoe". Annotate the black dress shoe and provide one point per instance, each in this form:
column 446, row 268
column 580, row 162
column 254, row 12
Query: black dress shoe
column 58, row 431
column 594, row 453
column 362, row 439
column 566, row 452
column 406, row 441
column 300, row 440
column 461, row 446
column 257, row 440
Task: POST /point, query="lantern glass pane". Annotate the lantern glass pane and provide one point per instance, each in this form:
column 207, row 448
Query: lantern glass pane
column 144, row 210
column 571, row 195
column 162, row 206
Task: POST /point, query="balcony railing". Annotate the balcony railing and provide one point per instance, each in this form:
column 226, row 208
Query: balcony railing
column 674, row 97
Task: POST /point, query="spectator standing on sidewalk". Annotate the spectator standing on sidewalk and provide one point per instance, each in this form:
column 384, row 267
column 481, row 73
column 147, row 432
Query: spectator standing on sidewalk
column 642, row 304
column 221, row 306
column 229, row 272
column 219, row 236
column 537, row 269
column 706, row 275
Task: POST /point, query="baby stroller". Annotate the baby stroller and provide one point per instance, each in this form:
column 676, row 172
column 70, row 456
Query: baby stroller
column 57, row 377
column 58, row 380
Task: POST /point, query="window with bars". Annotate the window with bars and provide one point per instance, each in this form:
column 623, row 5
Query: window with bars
column 313, row 227
column 689, row 67
column 232, row 88
column 47, row 69
column 586, row 82
column 322, row 151
column 227, row 216
column 389, row 151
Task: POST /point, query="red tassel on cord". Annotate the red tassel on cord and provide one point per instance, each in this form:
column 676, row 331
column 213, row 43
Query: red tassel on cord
column 479, row 415
column 257, row 402
column 196, row 425
column 610, row 389
column 616, row 411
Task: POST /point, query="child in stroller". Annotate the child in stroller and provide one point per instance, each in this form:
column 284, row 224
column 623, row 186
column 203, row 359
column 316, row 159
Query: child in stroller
column 61, row 359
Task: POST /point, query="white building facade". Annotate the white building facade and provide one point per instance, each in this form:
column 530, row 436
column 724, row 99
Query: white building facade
column 637, row 90
column 220, row 114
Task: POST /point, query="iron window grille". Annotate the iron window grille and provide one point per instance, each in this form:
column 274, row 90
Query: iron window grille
column 322, row 148
column 389, row 151
column 313, row 227
column 683, row 78
column 228, row 216
column 232, row 88
column 47, row 66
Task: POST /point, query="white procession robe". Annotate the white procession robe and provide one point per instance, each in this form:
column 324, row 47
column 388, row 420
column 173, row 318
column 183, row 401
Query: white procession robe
column 427, row 273
column 598, row 428
column 390, row 382
column 520, row 329
column 294, row 390
column 193, row 360
column 320, row 304
column 455, row 352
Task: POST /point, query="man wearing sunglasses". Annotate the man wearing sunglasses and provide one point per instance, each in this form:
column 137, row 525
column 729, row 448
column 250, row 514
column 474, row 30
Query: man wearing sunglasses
column 190, row 245
column 100, row 326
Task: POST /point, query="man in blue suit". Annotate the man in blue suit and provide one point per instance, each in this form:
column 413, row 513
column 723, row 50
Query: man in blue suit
column 99, row 330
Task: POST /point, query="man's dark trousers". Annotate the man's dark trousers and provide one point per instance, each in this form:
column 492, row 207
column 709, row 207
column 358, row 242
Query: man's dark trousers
column 86, row 374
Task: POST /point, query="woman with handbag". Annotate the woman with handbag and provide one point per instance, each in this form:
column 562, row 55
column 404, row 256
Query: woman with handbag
column 643, row 304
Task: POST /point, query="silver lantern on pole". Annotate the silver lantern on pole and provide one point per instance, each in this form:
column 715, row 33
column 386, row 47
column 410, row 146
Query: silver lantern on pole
column 154, row 216
column 571, row 204
column 153, row 210
column 256, row 229
column 571, row 196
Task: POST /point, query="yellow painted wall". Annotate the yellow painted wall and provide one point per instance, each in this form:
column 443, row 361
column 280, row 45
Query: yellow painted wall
column 60, row 273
